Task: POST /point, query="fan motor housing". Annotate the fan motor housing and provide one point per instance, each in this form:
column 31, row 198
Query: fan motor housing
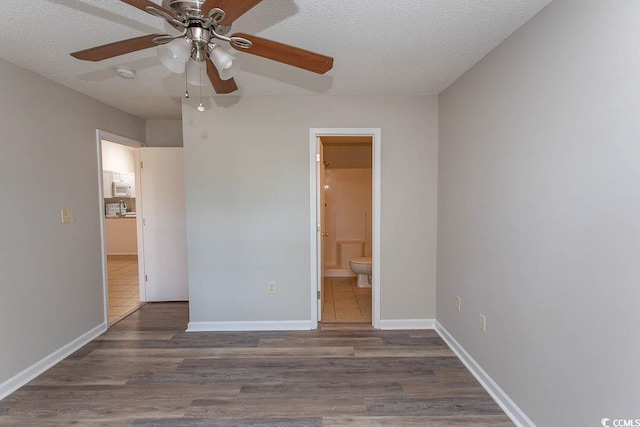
column 185, row 9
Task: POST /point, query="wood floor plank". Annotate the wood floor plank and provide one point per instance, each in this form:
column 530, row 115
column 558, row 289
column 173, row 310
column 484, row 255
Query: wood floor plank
column 136, row 335
column 437, row 389
column 453, row 421
column 354, row 342
column 277, row 408
column 404, row 351
column 219, row 353
column 231, row 422
column 416, row 406
column 146, row 371
column 321, row 390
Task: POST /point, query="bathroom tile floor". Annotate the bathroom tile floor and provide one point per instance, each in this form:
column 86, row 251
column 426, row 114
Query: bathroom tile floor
column 124, row 291
column 344, row 302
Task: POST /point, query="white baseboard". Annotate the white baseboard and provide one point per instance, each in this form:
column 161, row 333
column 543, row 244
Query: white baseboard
column 512, row 410
column 338, row 272
column 285, row 325
column 17, row 381
column 407, row 324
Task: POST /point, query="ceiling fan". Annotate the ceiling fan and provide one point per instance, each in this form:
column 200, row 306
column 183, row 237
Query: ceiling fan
column 203, row 24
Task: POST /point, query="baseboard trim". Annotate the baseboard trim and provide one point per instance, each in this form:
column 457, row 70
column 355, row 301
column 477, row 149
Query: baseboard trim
column 17, row 381
column 407, row 324
column 512, row 410
column 338, row 272
column 286, row 325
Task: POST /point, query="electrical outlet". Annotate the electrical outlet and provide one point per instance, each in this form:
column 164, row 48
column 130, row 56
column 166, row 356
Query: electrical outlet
column 483, row 323
column 458, row 303
column 271, row 287
column 67, row 215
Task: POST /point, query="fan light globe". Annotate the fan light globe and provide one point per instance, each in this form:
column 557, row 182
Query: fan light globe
column 174, row 55
column 196, row 73
column 225, row 63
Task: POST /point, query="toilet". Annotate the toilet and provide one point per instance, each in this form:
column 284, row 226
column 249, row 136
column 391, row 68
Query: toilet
column 362, row 267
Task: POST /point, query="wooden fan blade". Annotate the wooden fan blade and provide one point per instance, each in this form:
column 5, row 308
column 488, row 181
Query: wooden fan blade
column 287, row 54
column 233, row 9
column 219, row 85
column 110, row 50
column 141, row 4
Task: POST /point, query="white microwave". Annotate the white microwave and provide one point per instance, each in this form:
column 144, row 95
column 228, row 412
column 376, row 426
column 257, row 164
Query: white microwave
column 121, row 189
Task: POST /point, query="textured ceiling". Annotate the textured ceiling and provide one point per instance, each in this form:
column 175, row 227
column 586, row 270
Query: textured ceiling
column 381, row 47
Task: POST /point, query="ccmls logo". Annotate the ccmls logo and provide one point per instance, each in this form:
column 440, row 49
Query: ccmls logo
column 606, row 422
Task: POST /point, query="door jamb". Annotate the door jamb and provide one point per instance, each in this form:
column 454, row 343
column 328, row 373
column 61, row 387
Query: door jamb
column 111, row 137
column 376, row 145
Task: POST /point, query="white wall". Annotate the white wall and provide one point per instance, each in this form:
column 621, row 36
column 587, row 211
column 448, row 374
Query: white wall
column 50, row 274
column 247, row 188
column 539, row 212
column 163, row 133
column 117, row 157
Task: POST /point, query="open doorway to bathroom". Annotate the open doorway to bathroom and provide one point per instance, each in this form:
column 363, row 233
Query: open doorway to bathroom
column 346, row 211
column 372, row 139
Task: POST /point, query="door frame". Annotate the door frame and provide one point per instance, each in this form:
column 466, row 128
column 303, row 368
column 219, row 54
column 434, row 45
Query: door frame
column 118, row 139
column 314, row 197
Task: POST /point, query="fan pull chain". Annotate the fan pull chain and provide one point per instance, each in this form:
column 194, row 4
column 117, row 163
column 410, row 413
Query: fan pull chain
column 186, row 83
column 200, row 107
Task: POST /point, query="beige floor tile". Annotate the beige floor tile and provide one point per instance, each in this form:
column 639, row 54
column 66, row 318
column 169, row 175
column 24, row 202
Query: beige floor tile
column 130, row 303
column 344, row 302
column 124, row 293
column 119, row 311
column 117, row 301
column 119, row 294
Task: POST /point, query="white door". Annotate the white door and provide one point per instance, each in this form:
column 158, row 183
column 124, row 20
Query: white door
column 164, row 224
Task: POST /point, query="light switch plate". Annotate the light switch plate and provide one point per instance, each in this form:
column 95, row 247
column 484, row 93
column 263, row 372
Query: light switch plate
column 67, row 215
column 483, row 323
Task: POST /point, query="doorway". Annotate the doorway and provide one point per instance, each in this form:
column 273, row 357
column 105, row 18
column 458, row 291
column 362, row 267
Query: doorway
column 346, row 202
column 158, row 210
column 119, row 165
column 340, row 234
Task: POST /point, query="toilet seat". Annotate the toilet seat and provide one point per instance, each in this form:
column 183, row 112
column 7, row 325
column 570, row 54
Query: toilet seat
column 362, row 260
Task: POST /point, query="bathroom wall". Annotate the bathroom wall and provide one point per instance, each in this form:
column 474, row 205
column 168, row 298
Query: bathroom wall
column 348, row 199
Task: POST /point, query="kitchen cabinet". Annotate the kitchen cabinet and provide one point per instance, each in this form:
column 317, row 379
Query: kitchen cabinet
column 130, row 178
column 121, row 236
column 114, row 176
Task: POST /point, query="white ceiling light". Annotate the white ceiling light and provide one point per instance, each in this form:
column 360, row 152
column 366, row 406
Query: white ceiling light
column 179, row 54
column 196, row 73
column 226, row 64
column 125, row 72
column 174, row 54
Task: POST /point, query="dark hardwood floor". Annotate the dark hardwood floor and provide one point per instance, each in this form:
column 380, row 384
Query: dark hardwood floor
column 146, row 371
